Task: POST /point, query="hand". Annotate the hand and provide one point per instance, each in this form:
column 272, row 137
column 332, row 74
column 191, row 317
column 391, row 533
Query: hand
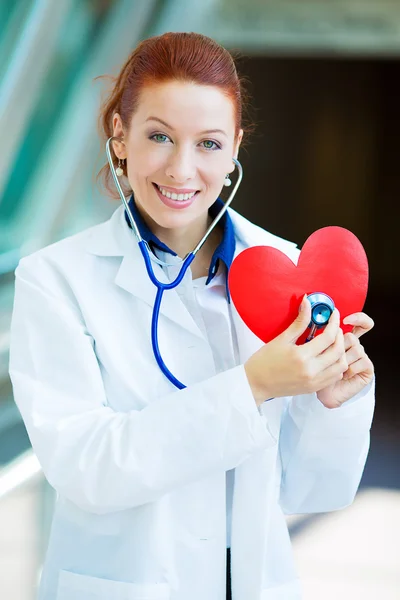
column 281, row 368
column 360, row 368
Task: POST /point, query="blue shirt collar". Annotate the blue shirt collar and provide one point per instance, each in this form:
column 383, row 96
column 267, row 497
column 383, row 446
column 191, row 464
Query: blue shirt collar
column 224, row 252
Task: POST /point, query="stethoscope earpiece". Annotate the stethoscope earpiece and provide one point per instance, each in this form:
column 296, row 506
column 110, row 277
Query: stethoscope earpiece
column 322, row 307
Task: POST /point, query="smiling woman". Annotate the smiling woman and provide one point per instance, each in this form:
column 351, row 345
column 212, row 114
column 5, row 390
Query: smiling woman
column 177, row 107
column 174, row 57
column 177, row 156
column 156, row 486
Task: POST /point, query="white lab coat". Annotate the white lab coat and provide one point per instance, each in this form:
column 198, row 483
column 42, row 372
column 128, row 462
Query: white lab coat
column 139, row 467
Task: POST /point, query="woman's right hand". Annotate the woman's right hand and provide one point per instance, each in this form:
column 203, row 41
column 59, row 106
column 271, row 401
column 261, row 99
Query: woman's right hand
column 281, row 368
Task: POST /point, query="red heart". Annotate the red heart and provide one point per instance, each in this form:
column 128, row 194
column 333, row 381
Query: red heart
column 267, row 287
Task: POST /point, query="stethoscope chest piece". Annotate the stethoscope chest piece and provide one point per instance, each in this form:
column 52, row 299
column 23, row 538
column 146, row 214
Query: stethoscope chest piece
column 322, row 306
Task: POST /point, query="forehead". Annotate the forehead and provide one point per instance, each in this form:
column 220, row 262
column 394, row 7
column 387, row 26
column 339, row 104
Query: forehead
column 185, row 105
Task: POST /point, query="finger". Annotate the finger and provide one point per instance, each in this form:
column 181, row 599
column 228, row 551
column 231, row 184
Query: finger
column 333, row 373
column 328, row 337
column 350, row 340
column 362, row 323
column 300, row 324
column 363, row 365
column 333, row 353
column 354, row 353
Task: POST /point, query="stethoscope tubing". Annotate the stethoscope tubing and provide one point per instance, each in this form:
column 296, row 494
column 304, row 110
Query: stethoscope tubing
column 161, row 287
column 186, row 262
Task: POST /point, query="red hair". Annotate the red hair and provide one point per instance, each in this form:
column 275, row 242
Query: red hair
column 181, row 56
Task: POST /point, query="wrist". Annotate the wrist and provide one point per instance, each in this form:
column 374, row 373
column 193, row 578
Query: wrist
column 259, row 392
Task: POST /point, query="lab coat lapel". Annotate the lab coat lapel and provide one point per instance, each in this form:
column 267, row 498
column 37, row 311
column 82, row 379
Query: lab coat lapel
column 248, row 342
column 118, row 240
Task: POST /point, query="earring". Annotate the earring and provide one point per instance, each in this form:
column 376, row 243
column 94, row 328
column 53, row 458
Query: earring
column 119, row 171
column 227, row 181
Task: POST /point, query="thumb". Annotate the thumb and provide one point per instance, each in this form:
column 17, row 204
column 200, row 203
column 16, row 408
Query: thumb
column 301, row 323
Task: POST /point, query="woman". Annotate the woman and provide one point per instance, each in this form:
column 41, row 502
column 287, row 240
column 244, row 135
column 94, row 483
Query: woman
column 155, row 483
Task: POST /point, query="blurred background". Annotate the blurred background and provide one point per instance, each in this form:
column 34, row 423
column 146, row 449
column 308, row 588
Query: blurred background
column 325, row 82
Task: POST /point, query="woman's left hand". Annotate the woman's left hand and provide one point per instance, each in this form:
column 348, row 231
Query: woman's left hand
column 360, row 369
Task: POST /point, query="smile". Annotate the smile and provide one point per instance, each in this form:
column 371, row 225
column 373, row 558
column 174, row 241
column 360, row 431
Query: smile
column 175, row 196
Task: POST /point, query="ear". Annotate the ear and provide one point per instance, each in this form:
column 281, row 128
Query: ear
column 236, row 148
column 238, row 142
column 118, row 131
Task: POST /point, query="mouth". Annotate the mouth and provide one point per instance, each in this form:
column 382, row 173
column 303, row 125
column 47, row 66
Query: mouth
column 183, row 196
column 174, row 200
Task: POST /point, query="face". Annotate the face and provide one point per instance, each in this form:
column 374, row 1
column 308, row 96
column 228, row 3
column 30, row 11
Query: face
column 181, row 141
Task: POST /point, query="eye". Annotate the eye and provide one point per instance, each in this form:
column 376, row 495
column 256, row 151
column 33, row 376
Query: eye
column 211, row 145
column 159, row 138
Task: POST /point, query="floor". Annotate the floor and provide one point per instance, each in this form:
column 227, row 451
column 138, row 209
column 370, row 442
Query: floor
column 19, row 544
column 352, row 554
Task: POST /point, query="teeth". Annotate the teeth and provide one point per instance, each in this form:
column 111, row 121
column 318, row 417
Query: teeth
column 174, row 196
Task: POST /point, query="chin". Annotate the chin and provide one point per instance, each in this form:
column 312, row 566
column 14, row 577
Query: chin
column 173, row 221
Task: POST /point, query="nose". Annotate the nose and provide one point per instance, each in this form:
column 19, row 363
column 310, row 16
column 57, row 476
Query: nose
column 181, row 165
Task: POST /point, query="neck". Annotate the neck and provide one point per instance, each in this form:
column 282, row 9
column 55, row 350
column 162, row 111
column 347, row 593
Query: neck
column 183, row 240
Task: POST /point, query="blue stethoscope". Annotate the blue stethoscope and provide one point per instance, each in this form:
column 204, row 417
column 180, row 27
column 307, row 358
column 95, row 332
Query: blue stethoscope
column 322, row 306
column 148, row 257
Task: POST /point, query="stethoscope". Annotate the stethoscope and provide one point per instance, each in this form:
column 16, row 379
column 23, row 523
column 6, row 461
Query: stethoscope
column 322, row 307
column 148, row 257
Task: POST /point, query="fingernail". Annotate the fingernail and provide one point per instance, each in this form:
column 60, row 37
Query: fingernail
column 302, row 304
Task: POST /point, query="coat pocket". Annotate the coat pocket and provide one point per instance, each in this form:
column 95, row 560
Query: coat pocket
column 72, row 586
column 287, row 591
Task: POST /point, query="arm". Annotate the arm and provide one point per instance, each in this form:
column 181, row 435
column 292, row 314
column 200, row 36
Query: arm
column 100, row 459
column 323, row 452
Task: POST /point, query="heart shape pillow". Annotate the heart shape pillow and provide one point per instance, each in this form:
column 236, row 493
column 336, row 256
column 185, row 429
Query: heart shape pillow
column 267, row 287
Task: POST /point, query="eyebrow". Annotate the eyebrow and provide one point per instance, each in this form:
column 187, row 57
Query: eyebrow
column 172, row 129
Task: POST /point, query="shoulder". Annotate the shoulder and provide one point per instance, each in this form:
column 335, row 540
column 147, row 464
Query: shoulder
column 70, row 257
column 76, row 246
column 249, row 234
